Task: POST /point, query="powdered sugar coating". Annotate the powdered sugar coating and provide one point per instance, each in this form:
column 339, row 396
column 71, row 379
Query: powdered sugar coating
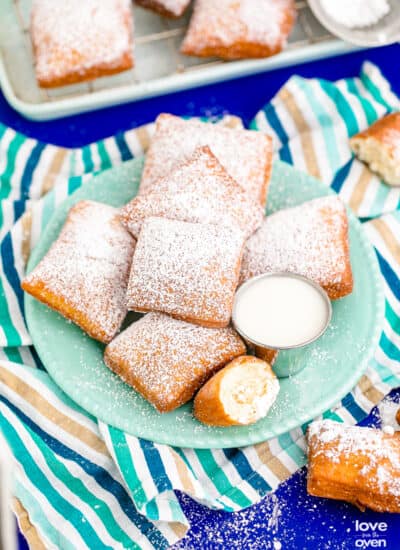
column 198, row 191
column 75, row 39
column 189, row 270
column 169, row 8
column 246, row 155
column 385, row 132
column 374, row 455
column 167, row 360
column 310, row 240
column 239, row 28
column 84, row 275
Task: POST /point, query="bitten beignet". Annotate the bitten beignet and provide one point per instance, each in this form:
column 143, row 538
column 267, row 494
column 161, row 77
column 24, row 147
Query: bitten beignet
column 246, row 155
column 235, row 29
column 166, row 8
column 309, row 240
column 379, row 147
column 198, row 191
column 78, row 40
column 85, row 273
column 239, row 394
column 359, row 465
column 188, row 270
column 167, row 360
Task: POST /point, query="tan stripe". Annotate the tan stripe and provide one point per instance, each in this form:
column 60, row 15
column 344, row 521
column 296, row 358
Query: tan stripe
column 143, row 136
column 304, row 132
column 388, row 236
column 271, row 461
column 28, row 530
column 231, row 121
column 51, row 413
column 179, row 529
column 183, row 474
column 26, row 221
column 360, row 189
column 53, row 170
column 369, row 391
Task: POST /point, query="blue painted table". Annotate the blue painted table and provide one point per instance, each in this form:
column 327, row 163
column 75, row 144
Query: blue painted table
column 290, row 519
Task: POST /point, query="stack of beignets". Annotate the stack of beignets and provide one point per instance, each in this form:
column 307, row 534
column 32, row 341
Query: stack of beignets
column 199, row 201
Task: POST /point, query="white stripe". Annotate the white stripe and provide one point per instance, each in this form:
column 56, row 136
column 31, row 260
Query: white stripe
column 366, row 94
column 15, row 313
column 381, row 83
column 392, row 200
column 234, row 477
column 46, row 157
column 278, row 451
column 262, row 469
column 353, row 176
column 94, row 152
column 367, row 204
column 8, row 136
column 63, row 525
column 354, row 103
column 133, row 143
column 21, row 158
column 113, row 151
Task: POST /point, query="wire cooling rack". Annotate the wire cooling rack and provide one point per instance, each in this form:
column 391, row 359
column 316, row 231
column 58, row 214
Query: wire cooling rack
column 159, row 67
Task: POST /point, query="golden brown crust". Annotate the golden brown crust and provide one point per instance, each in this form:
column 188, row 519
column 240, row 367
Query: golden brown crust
column 161, row 8
column 85, row 273
column 211, row 34
column 61, row 60
column 398, row 417
column 386, row 130
column 208, row 405
column 358, row 465
column 167, row 360
column 266, row 354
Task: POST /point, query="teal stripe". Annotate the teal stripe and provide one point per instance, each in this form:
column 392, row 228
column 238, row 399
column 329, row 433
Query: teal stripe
column 325, row 121
column 3, row 129
column 375, row 91
column 127, row 466
column 48, row 207
column 379, row 200
column 13, row 148
column 87, row 159
column 219, row 478
column 392, row 318
column 370, row 113
column 71, row 514
column 105, row 161
column 291, row 448
column 389, row 348
column 342, row 106
column 6, row 322
column 13, row 355
column 39, row 518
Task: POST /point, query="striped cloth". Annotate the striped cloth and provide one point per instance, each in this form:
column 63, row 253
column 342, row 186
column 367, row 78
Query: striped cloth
column 80, row 483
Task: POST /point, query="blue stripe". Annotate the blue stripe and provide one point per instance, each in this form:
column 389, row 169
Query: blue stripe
column 155, row 465
column 36, row 358
column 30, row 166
column 349, row 403
column 19, row 209
column 9, row 270
column 123, row 147
column 275, row 123
column 246, row 472
column 390, row 276
column 389, row 348
column 341, row 176
column 101, row 475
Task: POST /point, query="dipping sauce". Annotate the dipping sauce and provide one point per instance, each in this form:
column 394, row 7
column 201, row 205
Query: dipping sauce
column 281, row 310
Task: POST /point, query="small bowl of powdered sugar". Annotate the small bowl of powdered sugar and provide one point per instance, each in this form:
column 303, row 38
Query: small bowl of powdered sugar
column 361, row 22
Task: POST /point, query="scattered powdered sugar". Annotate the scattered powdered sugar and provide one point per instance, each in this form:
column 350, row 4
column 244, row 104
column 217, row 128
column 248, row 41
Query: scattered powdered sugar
column 174, row 7
column 388, row 410
column 357, row 13
column 246, row 155
column 198, row 191
column 310, row 240
column 77, row 35
column 188, row 270
column 85, row 273
column 228, row 22
column 378, row 453
column 167, row 360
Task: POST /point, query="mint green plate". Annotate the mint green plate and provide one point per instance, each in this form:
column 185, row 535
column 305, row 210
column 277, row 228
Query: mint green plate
column 334, row 365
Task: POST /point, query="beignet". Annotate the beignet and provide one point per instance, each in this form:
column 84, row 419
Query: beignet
column 199, row 191
column 85, row 273
column 235, row 29
column 246, row 155
column 78, row 40
column 359, row 465
column 379, row 147
column 309, row 240
column 166, row 8
column 239, row 394
column 189, row 270
column 167, row 360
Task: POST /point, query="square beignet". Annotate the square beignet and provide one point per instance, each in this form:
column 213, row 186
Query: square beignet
column 359, row 465
column 245, row 154
column 198, row 191
column 78, row 40
column 85, row 273
column 189, row 270
column 309, row 240
column 166, row 8
column 236, row 29
column 167, row 360
column 379, row 147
